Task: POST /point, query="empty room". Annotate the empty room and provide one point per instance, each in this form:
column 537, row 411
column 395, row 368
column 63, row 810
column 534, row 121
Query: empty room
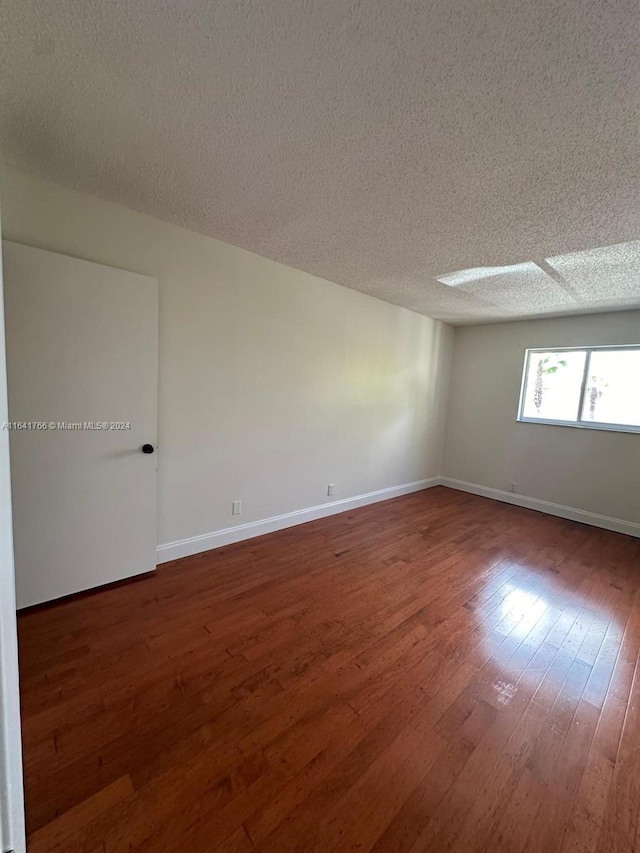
column 319, row 426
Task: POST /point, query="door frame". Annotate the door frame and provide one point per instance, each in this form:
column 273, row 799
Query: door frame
column 12, row 821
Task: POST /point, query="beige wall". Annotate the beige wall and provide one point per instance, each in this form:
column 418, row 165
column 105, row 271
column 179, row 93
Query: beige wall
column 591, row 470
column 273, row 383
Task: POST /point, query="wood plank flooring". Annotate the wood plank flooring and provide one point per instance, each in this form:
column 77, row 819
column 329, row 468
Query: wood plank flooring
column 439, row 672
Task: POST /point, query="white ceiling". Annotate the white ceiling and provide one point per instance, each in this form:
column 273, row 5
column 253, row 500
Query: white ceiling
column 381, row 144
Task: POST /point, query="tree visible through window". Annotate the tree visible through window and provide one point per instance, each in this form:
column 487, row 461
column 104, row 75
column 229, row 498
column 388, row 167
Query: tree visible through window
column 589, row 386
column 547, row 366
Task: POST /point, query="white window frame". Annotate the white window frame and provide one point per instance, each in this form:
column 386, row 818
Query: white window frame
column 579, row 423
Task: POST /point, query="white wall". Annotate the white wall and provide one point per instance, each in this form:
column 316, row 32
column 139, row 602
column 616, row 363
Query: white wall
column 273, row 383
column 591, row 470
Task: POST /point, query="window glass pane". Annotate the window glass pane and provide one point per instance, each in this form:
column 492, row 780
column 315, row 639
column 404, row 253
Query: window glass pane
column 554, row 381
column 613, row 388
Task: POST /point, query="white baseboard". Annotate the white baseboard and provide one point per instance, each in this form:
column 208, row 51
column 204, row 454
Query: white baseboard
column 218, row 538
column 618, row 525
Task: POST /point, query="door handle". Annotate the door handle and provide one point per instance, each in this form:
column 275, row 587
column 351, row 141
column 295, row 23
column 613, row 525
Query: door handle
column 148, row 448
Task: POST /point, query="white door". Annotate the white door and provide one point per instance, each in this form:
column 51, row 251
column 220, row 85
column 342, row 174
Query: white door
column 82, row 345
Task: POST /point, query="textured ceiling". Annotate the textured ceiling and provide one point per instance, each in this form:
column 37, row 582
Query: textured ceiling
column 381, row 144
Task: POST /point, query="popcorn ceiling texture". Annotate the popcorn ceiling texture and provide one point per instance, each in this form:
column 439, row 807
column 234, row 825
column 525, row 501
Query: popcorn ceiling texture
column 375, row 143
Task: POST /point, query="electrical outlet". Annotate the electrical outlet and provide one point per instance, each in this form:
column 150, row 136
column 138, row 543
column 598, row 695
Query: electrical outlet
column 330, row 489
column 236, row 508
column 512, row 487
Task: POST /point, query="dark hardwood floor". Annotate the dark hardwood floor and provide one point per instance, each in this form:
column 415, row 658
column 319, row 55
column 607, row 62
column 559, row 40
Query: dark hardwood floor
column 439, row 672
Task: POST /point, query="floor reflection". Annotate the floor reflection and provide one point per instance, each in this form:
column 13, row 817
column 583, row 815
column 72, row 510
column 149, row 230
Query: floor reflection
column 537, row 635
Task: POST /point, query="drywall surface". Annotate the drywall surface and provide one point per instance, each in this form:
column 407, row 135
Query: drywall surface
column 273, row 383
column 592, row 470
column 379, row 144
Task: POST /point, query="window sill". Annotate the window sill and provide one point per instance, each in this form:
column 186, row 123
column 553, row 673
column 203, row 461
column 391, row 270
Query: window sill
column 581, row 425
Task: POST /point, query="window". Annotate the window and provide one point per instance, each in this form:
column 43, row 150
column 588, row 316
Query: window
column 595, row 387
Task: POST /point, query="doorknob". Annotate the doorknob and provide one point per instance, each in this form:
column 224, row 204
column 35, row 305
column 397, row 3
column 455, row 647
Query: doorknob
column 148, row 448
